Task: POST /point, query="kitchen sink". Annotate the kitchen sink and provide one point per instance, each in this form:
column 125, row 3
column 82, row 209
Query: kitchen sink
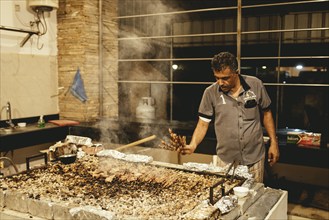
column 20, row 137
column 7, row 130
column 17, row 129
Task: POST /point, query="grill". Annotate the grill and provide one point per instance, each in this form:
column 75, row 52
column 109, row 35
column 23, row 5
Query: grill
column 124, row 189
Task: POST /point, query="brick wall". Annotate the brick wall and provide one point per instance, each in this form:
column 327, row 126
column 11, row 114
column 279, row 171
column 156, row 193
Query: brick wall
column 78, row 46
column 110, row 57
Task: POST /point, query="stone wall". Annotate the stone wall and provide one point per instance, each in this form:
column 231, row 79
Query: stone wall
column 78, row 47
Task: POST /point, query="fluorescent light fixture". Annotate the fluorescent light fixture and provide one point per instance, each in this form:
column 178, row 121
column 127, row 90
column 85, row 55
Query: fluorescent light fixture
column 299, row 67
column 264, row 67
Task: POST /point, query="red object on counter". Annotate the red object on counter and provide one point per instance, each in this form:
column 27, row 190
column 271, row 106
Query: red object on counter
column 304, row 139
column 64, row 122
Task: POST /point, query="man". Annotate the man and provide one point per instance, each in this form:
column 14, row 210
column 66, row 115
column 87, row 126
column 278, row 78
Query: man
column 237, row 103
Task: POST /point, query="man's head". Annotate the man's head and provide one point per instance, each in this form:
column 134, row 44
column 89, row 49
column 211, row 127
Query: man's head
column 225, row 68
column 224, row 60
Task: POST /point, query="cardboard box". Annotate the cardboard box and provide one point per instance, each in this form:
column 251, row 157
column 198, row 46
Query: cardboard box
column 304, row 139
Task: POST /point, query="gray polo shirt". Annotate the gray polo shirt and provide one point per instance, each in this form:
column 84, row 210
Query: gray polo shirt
column 238, row 129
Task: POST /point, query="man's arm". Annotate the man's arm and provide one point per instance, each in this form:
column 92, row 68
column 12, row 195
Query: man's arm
column 198, row 135
column 273, row 151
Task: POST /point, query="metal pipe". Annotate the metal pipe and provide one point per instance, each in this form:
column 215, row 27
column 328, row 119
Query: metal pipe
column 171, row 77
column 285, row 30
column 205, row 59
column 30, row 33
column 9, row 120
column 283, row 3
column 207, row 83
column 17, row 30
column 300, row 57
column 226, row 33
column 164, row 59
column 8, row 111
column 297, row 84
column 177, row 36
column 218, row 9
column 25, row 40
column 278, row 79
column 238, row 36
column 162, row 82
column 177, row 12
column 100, row 54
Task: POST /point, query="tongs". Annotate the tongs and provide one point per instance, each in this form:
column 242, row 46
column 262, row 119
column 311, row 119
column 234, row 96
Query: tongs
column 234, row 164
column 212, row 196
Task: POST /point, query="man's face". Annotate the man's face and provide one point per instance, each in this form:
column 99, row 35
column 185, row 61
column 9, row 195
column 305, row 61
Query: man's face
column 226, row 79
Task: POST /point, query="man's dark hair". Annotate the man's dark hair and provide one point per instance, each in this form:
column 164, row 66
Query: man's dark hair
column 223, row 60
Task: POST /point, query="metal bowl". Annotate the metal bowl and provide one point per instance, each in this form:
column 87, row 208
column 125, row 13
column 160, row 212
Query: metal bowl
column 68, row 158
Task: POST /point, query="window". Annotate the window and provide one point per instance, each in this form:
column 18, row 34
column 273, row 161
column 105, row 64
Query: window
column 165, row 48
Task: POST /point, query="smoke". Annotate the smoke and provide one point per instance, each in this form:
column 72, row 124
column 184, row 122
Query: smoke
column 161, row 130
column 114, row 133
column 150, row 34
column 110, row 133
column 136, row 41
column 146, row 27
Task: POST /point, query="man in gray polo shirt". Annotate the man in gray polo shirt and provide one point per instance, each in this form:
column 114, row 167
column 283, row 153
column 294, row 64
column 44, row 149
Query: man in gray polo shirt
column 238, row 104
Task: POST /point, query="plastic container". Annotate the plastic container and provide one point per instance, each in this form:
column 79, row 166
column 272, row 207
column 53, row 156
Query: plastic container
column 41, row 122
column 21, row 124
column 241, row 191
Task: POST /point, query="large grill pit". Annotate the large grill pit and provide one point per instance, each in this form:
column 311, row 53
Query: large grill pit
column 119, row 188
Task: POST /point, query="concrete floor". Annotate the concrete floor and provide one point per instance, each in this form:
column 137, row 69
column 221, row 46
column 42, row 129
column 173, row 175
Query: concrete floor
column 294, row 217
column 305, row 201
column 298, row 212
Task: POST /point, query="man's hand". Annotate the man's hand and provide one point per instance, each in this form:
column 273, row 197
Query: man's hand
column 187, row 149
column 198, row 135
column 273, row 151
column 273, row 154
